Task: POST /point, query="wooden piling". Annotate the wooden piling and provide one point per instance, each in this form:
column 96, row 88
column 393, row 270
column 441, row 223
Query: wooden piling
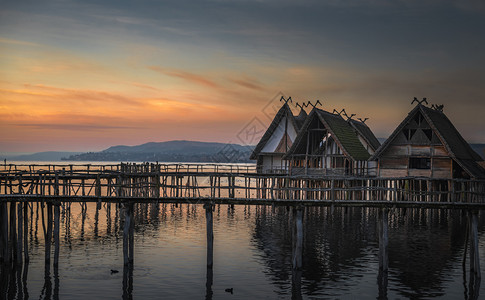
column 474, row 251
column 48, row 237
column 210, row 234
column 383, row 239
column 13, row 234
column 128, row 232
column 20, row 230
column 297, row 259
column 56, row 233
column 4, row 233
column 131, row 249
column 26, row 230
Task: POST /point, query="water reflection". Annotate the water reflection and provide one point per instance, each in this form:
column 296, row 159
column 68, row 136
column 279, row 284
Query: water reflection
column 127, row 281
column 339, row 250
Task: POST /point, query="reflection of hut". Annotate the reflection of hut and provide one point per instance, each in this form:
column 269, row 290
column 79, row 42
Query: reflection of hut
column 427, row 144
column 277, row 139
column 327, row 144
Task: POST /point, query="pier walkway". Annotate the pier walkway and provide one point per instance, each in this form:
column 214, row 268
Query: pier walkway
column 231, row 184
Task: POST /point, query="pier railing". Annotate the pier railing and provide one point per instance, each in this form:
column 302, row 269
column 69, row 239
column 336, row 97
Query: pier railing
column 179, row 182
column 129, row 168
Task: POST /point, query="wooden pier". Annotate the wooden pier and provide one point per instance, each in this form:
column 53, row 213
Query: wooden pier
column 230, row 184
column 127, row 185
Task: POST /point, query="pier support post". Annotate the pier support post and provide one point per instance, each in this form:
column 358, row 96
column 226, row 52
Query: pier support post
column 209, row 207
column 383, row 239
column 13, row 235
column 128, row 232
column 56, row 234
column 3, row 233
column 48, row 237
column 26, row 232
column 297, row 258
column 474, row 253
column 20, row 232
column 383, row 252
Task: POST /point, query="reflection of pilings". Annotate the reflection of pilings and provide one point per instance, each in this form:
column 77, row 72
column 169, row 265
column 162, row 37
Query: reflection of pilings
column 127, row 282
column 297, row 260
column 108, row 218
column 13, row 236
column 56, row 282
column 208, row 283
column 83, row 218
column 382, row 285
column 210, row 234
column 474, row 255
column 96, row 218
column 26, row 231
column 383, row 239
column 48, row 237
column 20, row 238
column 296, row 285
column 128, row 240
column 24, row 279
column 47, row 289
column 56, row 234
column 3, row 233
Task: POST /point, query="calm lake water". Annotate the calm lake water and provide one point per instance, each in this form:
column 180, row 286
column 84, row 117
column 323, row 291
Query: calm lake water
column 252, row 255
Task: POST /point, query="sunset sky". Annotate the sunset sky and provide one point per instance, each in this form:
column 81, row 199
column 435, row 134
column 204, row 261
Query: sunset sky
column 86, row 75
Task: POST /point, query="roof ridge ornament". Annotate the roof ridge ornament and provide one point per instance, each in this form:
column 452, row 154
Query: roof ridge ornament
column 339, row 112
column 438, row 107
column 363, row 121
column 419, row 102
column 286, row 100
column 313, row 105
column 348, row 117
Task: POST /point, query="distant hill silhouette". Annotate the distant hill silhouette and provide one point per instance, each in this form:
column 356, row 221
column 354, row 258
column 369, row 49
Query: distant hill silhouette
column 171, row 151
column 42, row 156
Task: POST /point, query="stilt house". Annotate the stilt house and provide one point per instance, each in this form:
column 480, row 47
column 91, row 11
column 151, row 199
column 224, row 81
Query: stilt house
column 277, row 140
column 327, row 144
column 426, row 144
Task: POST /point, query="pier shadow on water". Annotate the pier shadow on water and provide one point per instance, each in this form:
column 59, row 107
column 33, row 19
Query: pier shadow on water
column 153, row 250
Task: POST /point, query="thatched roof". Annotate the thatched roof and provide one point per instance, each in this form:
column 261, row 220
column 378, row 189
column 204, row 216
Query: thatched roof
column 366, row 133
column 300, row 119
column 455, row 144
column 282, row 112
column 342, row 132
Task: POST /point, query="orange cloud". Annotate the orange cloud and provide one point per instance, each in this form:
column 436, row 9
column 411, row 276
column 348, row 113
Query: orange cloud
column 190, row 77
column 70, row 95
column 249, row 83
column 17, row 42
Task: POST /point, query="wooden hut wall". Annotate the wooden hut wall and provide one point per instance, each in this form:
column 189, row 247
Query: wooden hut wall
column 272, row 162
column 416, row 151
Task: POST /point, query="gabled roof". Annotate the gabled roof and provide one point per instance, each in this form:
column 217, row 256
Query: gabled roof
column 451, row 138
column 454, row 143
column 366, row 133
column 301, row 118
column 341, row 131
column 282, row 112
